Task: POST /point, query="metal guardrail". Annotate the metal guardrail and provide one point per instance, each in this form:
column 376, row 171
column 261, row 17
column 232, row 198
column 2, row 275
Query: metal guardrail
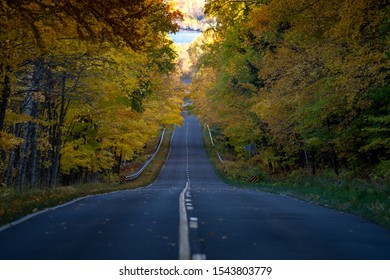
column 212, row 142
column 128, row 178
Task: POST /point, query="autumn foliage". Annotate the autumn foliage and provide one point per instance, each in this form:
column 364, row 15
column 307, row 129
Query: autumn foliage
column 84, row 86
column 307, row 81
column 193, row 14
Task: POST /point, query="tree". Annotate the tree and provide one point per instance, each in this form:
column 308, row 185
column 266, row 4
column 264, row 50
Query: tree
column 54, row 54
column 313, row 71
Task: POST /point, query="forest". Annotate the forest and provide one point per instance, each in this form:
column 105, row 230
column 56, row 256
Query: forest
column 307, row 82
column 84, row 86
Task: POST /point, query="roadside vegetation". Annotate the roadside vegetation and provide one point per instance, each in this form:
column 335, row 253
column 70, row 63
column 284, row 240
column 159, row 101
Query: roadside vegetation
column 306, row 84
column 81, row 95
column 367, row 199
column 15, row 204
column 82, row 98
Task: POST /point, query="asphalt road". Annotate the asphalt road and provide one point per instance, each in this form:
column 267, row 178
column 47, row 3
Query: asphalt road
column 189, row 213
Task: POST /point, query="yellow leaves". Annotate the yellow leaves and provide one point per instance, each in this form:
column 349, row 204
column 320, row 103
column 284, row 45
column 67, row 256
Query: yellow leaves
column 90, row 67
column 310, row 66
column 203, row 82
column 76, row 155
column 9, row 141
column 260, row 20
column 358, row 19
column 172, row 118
column 360, row 72
column 120, row 130
column 13, row 118
column 172, row 112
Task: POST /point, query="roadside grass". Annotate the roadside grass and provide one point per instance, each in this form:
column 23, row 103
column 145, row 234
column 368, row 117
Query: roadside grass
column 14, row 204
column 369, row 200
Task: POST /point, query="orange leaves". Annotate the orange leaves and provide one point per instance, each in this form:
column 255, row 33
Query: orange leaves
column 309, row 65
column 82, row 67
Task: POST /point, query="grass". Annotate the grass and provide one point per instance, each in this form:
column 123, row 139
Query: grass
column 369, row 200
column 14, row 205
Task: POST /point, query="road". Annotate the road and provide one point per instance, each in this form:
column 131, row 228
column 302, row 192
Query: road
column 189, row 213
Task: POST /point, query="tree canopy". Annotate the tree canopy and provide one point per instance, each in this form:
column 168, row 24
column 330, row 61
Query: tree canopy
column 84, row 86
column 307, row 81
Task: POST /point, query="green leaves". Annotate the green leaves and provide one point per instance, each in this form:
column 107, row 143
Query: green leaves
column 137, row 96
column 308, row 79
column 376, row 121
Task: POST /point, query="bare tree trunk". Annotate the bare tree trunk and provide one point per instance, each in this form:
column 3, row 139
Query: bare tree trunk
column 119, row 164
column 38, row 75
column 335, row 162
column 21, row 176
column 5, row 96
column 27, row 171
column 27, row 107
column 10, row 169
column 34, row 155
column 313, row 165
column 58, row 140
column 306, row 156
column 11, row 161
column 46, row 156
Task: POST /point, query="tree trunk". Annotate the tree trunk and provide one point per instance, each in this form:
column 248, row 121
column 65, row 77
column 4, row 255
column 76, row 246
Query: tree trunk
column 313, row 164
column 48, row 107
column 306, row 157
column 118, row 171
column 21, row 176
column 5, row 96
column 33, row 163
column 58, row 140
column 11, row 161
column 27, row 108
column 332, row 151
column 334, row 162
column 10, row 169
column 34, row 155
